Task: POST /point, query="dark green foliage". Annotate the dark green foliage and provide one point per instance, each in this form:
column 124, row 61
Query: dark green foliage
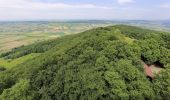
column 134, row 32
column 2, row 69
column 166, row 38
column 6, row 81
column 20, row 91
column 153, row 50
column 161, row 85
column 34, row 48
column 150, row 49
column 94, row 65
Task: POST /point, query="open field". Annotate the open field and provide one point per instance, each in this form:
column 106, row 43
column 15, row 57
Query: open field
column 10, row 63
column 15, row 34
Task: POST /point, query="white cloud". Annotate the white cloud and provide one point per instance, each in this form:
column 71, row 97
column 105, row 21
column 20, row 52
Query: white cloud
column 124, row 1
column 28, row 4
column 65, row 6
column 165, row 5
column 27, row 9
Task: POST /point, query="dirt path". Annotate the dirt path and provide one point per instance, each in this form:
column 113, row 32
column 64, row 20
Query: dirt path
column 148, row 71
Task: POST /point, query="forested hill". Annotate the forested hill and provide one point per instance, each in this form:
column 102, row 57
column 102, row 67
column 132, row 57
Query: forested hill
column 98, row 64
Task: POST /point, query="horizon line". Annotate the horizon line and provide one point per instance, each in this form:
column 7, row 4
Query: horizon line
column 63, row 20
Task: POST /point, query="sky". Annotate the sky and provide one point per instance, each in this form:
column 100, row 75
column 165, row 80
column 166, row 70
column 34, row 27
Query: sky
column 84, row 9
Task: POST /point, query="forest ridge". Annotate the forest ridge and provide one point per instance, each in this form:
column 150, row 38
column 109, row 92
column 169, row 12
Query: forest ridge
column 104, row 63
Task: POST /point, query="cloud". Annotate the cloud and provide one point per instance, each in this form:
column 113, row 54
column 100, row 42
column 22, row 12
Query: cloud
column 28, row 4
column 66, row 6
column 124, row 1
column 29, row 9
column 38, row 10
column 165, row 5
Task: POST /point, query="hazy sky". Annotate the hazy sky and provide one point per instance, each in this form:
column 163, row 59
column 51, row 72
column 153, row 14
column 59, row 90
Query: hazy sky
column 84, row 9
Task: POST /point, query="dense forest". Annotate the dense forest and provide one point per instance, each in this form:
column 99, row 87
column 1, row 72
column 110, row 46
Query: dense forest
column 105, row 63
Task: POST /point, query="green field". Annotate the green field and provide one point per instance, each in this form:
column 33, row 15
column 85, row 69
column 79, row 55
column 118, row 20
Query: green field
column 10, row 63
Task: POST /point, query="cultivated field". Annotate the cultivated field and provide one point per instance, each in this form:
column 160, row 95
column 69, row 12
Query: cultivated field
column 15, row 34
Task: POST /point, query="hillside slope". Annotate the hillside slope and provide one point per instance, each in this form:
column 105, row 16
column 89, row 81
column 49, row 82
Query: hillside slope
column 99, row 64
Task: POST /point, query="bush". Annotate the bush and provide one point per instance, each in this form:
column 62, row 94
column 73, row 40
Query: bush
column 2, row 69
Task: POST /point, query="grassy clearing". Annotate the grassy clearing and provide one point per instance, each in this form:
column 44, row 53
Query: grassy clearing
column 12, row 63
column 122, row 37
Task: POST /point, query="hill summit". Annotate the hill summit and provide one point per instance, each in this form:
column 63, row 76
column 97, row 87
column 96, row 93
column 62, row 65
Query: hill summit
column 98, row 64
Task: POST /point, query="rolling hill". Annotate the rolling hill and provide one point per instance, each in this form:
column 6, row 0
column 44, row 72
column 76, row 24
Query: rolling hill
column 104, row 63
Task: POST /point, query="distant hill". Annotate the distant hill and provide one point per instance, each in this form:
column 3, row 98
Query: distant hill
column 104, row 63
